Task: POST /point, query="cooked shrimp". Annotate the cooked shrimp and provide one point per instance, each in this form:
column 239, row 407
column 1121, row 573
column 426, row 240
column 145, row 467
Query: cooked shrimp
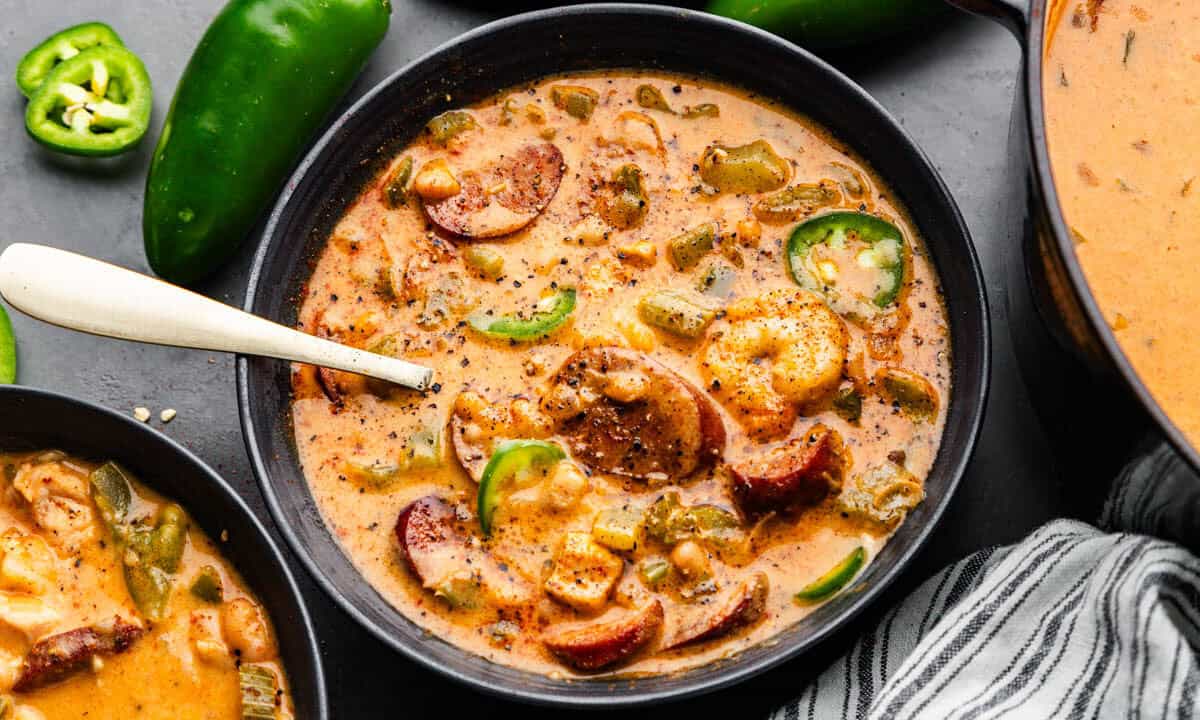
column 780, row 351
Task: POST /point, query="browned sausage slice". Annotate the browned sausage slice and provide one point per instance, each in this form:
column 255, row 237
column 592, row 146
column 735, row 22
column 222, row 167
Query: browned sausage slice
column 437, row 547
column 626, row 414
column 430, row 539
column 804, row 469
column 54, row 658
column 597, row 645
column 744, row 606
column 503, row 197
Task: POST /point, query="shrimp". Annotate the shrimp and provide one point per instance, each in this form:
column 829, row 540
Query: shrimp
column 780, row 351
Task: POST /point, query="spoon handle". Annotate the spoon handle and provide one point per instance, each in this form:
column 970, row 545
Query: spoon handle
column 80, row 293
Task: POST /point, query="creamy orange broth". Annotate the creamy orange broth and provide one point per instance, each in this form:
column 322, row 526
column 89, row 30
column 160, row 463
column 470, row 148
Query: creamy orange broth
column 366, row 286
column 1122, row 118
column 163, row 673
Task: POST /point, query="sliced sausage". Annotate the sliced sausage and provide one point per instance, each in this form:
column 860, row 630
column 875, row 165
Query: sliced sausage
column 58, row 656
column 439, row 552
column 503, row 197
column 742, row 607
column 624, row 413
column 431, row 540
column 597, row 645
column 803, row 470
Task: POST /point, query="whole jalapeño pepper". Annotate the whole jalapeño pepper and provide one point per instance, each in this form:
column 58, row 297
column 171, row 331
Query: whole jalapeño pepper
column 260, row 83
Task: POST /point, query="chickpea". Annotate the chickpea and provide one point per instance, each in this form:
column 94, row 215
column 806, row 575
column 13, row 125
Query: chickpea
column 565, row 486
column 691, row 559
column 246, row 631
column 435, row 181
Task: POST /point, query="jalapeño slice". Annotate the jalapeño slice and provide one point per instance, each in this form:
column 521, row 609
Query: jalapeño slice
column 856, row 260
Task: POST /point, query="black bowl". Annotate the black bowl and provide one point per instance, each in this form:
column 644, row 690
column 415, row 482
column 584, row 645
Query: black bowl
column 31, row 419
column 524, row 48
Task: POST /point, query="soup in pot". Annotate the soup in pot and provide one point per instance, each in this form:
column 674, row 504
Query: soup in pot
column 1122, row 119
column 692, row 368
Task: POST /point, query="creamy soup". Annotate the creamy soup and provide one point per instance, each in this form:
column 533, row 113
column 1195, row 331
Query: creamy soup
column 1123, row 119
column 113, row 604
column 692, row 369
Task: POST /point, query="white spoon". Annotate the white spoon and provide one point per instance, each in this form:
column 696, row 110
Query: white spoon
column 80, row 293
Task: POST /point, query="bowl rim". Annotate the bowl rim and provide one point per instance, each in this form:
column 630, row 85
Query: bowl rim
column 1041, row 174
column 217, row 483
column 737, row 670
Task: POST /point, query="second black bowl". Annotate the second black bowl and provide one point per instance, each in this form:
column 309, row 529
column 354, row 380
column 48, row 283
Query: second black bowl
column 519, row 50
column 32, row 419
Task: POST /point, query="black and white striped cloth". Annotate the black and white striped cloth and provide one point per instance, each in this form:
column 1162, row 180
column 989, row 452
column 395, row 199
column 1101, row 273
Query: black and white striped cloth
column 1072, row 622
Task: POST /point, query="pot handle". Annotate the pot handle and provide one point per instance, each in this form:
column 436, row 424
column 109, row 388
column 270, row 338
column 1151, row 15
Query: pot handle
column 1013, row 14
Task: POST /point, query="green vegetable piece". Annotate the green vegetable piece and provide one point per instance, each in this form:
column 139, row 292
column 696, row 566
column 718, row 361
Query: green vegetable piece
column 207, row 585
column 795, row 202
column 628, row 204
column 259, row 687
column 848, row 404
column 703, row 110
column 670, row 522
column 548, row 316
column 654, row 570
column 152, row 558
column 260, row 83
column 422, row 451
column 511, row 458
column 461, row 590
column 650, row 97
column 395, row 193
column 712, row 524
column 619, row 528
column 671, row 311
column 751, row 168
column 375, row 477
column 39, row 62
column 112, row 492
column 95, row 104
column 450, row 124
column 914, row 394
column 868, row 247
column 579, row 102
column 834, row 580
column 717, row 280
column 8, row 350
column 852, row 181
column 687, row 249
column 488, row 262
column 660, row 518
column 444, row 300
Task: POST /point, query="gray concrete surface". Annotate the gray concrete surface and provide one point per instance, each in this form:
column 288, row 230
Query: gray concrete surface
column 951, row 86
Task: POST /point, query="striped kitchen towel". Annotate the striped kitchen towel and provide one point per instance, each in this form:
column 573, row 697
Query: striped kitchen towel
column 1072, row 622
